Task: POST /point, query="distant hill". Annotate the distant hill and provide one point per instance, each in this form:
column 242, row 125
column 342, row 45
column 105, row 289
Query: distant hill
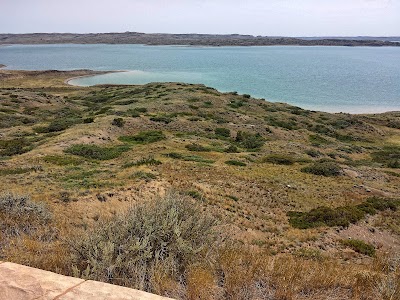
column 190, row 39
column 356, row 38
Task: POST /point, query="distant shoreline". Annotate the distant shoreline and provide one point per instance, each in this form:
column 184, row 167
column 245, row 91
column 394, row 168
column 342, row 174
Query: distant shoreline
column 211, row 40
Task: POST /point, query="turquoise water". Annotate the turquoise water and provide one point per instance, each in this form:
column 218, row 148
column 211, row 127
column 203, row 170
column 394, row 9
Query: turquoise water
column 335, row 79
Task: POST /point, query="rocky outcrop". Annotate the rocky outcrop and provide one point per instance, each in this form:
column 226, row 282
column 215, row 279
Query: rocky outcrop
column 19, row 282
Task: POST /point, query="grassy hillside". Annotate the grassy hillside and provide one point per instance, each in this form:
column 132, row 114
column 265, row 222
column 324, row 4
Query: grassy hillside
column 294, row 204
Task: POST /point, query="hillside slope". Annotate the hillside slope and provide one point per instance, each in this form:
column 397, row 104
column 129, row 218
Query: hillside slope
column 263, row 170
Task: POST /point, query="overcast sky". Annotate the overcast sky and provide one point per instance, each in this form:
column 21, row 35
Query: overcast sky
column 256, row 17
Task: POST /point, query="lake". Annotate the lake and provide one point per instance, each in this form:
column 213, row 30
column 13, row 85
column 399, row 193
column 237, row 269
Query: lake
column 333, row 79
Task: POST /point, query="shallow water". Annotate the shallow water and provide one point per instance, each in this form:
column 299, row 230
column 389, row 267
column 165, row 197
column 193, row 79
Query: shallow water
column 347, row 79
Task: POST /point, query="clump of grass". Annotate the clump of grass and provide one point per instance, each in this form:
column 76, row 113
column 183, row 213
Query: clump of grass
column 162, row 119
column 323, row 168
column 223, row 132
column 119, row 122
column 389, row 156
column 15, row 146
column 144, row 137
column 196, row 148
column 149, row 161
column 15, row 171
column 341, row 216
column 88, row 120
column 57, row 125
column 62, row 160
column 279, row 159
column 286, row 124
column 360, row 246
column 235, row 163
column 317, row 140
column 236, row 103
column 248, row 140
column 166, row 235
column 231, row 149
column 313, row 153
column 97, row 152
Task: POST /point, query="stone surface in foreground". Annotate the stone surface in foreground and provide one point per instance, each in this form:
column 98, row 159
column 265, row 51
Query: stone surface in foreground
column 19, row 282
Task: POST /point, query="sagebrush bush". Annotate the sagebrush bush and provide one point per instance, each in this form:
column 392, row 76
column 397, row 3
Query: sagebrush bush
column 97, row 152
column 389, row 156
column 164, row 235
column 341, row 216
column 235, row 163
column 196, row 148
column 18, row 214
column 14, row 147
column 224, row 132
column 145, row 137
column 119, row 122
column 324, row 168
column 279, row 159
column 250, row 141
column 162, row 119
column 360, row 246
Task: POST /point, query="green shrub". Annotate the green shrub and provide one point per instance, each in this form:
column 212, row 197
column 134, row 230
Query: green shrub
column 97, row 152
column 9, row 171
column 149, row 161
column 313, row 153
column 286, row 124
column 196, row 148
column 235, row 163
column 88, row 120
column 279, row 159
column 360, row 246
column 144, row 137
column 324, row 168
column 317, row 140
column 14, row 147
column 341, row 216
column 232, row 149
column 249, row 140
column 140, row 109
column 224, row 132
column 175, row 155
column 389, row 156
column 166, row 235
column 57, row 125
column 325, row 216
column 62, row 160
column 119, row 122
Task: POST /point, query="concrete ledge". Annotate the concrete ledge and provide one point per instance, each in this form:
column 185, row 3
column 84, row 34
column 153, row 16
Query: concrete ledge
column 26, row 283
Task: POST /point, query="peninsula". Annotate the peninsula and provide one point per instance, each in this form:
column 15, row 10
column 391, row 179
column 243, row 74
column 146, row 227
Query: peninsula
column 190, row 39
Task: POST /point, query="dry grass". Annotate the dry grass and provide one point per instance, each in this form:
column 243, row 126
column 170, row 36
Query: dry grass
column 269, row 259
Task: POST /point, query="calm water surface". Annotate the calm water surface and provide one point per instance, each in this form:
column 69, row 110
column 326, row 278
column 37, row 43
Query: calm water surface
column 362, row 79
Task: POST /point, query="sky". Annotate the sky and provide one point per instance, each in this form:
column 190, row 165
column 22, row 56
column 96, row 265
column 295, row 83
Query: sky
column 255, row 17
